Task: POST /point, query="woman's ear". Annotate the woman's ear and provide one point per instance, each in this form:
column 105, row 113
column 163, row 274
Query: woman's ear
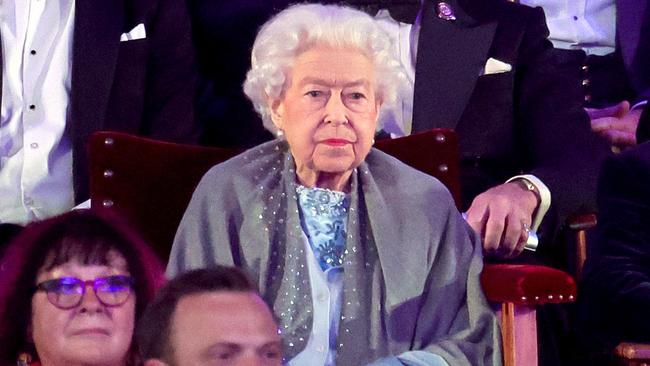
column 277, row 112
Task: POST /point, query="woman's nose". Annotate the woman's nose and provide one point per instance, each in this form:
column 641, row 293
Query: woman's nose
column 90, row 302
column 335, row 110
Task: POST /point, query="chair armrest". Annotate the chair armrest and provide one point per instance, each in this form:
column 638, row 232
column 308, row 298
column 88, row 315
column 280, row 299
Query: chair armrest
column 582, row 222
column 527, row 284
column 633, row 351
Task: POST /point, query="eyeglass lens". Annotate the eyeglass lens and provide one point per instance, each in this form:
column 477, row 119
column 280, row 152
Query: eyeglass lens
column 67, row 292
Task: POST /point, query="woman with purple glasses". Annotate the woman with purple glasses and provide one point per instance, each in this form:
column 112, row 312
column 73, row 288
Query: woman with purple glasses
column 71, row 290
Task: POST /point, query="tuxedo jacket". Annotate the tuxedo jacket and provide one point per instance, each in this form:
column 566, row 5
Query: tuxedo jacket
column 615, row 292
column 143, row 86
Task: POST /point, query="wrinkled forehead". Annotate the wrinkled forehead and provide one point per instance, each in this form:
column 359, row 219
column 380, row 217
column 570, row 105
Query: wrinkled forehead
column 327, row 66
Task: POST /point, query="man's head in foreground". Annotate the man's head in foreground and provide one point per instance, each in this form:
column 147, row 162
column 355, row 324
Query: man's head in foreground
column 209, row 317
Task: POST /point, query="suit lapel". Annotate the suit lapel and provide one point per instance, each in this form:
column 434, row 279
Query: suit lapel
column 97, row 30
column 451, row 55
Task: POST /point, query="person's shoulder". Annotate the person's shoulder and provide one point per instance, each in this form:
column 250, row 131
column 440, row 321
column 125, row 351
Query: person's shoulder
column 392, row 172
column 248, row 167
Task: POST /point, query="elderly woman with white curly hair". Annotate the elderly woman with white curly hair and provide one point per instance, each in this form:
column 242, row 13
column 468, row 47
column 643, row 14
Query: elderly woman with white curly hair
column 363, row 259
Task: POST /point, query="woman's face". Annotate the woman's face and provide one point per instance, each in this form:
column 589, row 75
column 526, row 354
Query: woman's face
column 328, row 113
column 90, row 333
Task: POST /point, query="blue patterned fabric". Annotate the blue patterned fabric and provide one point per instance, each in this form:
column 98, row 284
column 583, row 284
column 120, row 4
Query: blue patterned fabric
column 324, row 217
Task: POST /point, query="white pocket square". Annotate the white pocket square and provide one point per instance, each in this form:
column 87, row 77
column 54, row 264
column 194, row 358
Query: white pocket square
column 136, row 33
column 494, row 66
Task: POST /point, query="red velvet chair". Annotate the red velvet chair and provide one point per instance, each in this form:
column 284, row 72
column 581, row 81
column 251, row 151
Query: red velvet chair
column 151, row 182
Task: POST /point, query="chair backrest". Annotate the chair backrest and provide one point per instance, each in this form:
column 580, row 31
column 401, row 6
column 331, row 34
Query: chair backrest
column 434, row 152
column 151, row 182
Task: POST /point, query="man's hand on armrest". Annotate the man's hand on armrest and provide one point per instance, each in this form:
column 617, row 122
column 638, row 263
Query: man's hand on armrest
column 503, row 216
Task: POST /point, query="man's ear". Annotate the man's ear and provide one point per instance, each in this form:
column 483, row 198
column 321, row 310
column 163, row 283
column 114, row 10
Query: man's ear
column 154, row 362
column 277, row 112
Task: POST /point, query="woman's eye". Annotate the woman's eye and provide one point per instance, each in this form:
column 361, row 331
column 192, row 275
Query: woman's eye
column 357, row 96
column 273, row 355
column 67, row 288
column 224, row 356
column 272, row 352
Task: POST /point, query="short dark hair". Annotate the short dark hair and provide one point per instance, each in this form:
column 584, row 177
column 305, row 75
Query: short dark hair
column 154, row 328
column 85, row 235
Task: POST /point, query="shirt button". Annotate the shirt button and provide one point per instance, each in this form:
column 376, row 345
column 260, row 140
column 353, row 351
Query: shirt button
column 33, row 145
column 32, row 107
column 575, row 17
column 33, row 52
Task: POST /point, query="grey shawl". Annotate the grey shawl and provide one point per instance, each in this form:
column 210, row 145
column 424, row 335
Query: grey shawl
column 411, row 275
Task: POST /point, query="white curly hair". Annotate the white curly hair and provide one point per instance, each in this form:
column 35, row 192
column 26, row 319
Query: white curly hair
column 299, row 28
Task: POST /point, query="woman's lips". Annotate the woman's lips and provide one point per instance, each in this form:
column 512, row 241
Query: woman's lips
column 336, row 142
column 91, row 332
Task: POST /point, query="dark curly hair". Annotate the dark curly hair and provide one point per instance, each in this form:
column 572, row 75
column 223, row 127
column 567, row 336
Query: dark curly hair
column 85, row 235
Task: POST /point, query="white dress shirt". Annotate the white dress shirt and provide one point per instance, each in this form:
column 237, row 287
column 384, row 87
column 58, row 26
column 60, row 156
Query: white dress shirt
column 35, row 154
column 589, row 25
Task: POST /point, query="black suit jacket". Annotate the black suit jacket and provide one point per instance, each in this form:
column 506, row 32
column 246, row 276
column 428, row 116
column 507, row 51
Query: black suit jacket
column 615, row 293
column 144, row 86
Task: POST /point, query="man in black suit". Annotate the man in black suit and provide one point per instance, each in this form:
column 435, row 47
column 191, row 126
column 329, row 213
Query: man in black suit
column 486, row 70
column 74, row 67
column 615, row 292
